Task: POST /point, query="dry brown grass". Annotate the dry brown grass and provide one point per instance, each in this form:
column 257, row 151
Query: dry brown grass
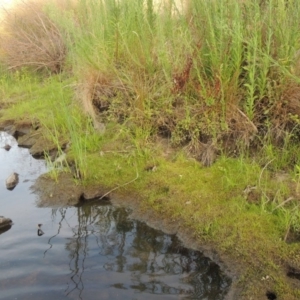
column 100, row 93
column 285, row 113
column 29, row 38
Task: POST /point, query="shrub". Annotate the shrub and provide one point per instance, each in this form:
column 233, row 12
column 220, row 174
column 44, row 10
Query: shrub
column 29, row 38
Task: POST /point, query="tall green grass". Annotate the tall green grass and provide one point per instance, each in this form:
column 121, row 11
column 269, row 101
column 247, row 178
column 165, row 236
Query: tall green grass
column 215, row 71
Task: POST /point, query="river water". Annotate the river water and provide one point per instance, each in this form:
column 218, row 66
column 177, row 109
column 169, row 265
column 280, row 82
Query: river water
column 90, row 252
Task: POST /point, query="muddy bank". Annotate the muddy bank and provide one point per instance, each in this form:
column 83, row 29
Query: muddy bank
column 65, row 191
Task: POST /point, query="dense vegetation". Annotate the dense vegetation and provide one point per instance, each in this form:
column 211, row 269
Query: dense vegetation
column 195, row 105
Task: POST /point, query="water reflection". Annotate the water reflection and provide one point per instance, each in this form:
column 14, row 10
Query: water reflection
column 136, row 259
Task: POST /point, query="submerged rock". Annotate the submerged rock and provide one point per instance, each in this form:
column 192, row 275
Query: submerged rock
column 12, row 181
column 5, row 222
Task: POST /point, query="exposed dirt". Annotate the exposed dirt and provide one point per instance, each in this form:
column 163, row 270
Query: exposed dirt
column 65, row 191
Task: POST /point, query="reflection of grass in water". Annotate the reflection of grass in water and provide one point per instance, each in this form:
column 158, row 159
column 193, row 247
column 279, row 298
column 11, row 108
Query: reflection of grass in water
column 54, row 213
column 148, row 253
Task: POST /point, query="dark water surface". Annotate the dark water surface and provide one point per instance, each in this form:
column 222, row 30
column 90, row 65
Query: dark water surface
column 90, row 252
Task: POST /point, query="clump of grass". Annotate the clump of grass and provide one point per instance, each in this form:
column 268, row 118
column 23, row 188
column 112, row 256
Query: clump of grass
column 29, row 38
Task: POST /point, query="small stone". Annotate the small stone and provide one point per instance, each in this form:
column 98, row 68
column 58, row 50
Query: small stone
column 5, row 222
column 12, row 181
column 7, row 147
column 40, row 232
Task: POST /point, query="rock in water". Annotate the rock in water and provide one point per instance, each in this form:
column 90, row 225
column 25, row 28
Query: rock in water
column 40, row 232
column 4, row 222
column 12, row 181
column 7, row 147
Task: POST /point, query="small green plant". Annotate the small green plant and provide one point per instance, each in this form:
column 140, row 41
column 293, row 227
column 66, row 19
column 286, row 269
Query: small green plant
column 56, row 166
column 297, row 178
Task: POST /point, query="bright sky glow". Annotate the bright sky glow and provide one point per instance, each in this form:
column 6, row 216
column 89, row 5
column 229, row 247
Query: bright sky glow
column 6, row 3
